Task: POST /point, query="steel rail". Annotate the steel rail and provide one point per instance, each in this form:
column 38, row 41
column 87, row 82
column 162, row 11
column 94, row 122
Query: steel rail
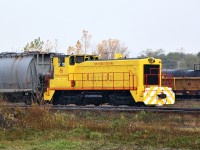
column 108, row 108
column 127, row 109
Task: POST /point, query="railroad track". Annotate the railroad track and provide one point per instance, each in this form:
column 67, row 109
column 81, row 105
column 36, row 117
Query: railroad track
column 108, row 108
column 127, row 109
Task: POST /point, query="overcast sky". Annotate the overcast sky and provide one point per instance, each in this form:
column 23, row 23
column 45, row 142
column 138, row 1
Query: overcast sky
column 139, row 24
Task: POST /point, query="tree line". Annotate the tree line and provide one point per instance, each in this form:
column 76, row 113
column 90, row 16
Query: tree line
column 173, row 60
column 107, row 48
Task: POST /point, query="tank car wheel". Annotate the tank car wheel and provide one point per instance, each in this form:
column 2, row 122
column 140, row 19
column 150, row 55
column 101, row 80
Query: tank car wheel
column 28, row 100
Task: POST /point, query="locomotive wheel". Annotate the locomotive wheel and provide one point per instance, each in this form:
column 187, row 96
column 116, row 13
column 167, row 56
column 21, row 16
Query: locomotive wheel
column 97, row 104
column 84, row 103
column 54, row 102
column 79, row 100
column 113, row 100
column 115, row 104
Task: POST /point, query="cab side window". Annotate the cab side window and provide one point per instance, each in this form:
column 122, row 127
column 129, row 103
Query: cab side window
column 79, row 59
column 71, row 60
column 61, row 61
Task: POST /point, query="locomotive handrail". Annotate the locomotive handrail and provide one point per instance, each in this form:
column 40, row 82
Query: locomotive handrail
column 132, row 74
column 168, row 77
column 104, row 77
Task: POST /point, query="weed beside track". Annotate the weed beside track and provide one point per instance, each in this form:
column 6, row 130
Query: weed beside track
column 38, row 128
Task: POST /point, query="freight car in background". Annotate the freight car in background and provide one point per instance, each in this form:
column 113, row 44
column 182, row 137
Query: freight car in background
column 22, row 75
column 185, row 83
column 84, row 79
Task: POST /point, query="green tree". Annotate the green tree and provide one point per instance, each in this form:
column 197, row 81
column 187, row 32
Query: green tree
column 173, row 60
column 198, row 54
column 188, row 61
column 35, row 45
column 152, row 53
column 40, row 46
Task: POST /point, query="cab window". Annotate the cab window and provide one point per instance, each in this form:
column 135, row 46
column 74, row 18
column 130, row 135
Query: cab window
column 71, row 60
column 79, row 59
column 61, row 61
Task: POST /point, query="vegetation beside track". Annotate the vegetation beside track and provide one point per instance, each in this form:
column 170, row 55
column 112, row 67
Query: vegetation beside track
column 186, row 104
column 38, row 128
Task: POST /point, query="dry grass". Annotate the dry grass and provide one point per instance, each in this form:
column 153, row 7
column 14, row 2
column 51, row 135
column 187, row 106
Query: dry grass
column 98, row 130
column 186, row 104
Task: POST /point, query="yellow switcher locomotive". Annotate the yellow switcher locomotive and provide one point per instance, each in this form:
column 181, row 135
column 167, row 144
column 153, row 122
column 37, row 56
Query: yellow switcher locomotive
column 85, row 79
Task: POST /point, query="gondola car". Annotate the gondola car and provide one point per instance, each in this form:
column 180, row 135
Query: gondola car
column 185, row 83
